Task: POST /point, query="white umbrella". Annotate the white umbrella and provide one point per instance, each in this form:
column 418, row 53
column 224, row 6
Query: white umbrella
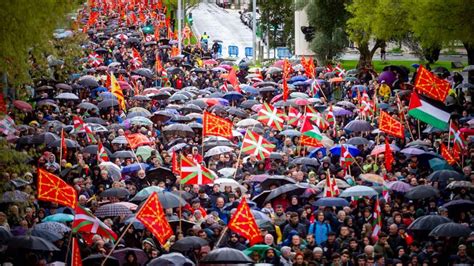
column 120, row 140
column 249, row 122
column 218, row 150
column 113, row 169
column 358, row 191
column 227, row 172
column 227, row 182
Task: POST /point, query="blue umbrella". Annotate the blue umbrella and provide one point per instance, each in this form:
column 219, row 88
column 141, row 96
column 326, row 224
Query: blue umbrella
column 233, row 96
column 298, row 78
column 439, row 164
column 358, row 87
column 48, row 235
column 135, row 223
column 107, row 96
column 415, row 65
column 331, row 202
column 134, row 168
column 59, row 217
column 301, row 83
column 358, row 191
column 314, row 152
column 336, row 150
column 249, row 90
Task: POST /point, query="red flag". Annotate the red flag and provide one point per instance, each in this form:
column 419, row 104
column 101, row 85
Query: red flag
column 89, row 225
column 76, row 253
column 153, row 218
column 287, row 68
column 101, row 153
column 3, row 106
column 174, row 163
column 286, row 91
column 53, row 189
column 216, row 126
column 388, row 156
column 391, row 125
column 271, row 116
column 309, row 68
column 430, row 85
column 243, row 223
column 192, row 173
column 63, row 145
column 447, row 155
column 309, row 141
column 232, row 78
column 137, row 139
column 254, row 144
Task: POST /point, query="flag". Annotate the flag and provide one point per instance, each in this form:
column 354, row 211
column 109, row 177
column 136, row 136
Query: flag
column 331, row 189
column 271, row 116
column 243, row 223
column 385, row 190
column 158, row 65
column 101, row 153
column 3, row 105
column 330, row 116
column 7, row 125
column 428, row 113
column 174, row 163
column 79, row 125
column 286, row 91
column 390, row 125
column 309, row 68
column 95, row 59
column 152, row 216
column 345, row 158
column 137, row 139
column 117, row 91
column 287, row 68
column 340, row 71
column 315, row 88
column 377, row 219
column 317, row 118
column 254, row 144
column 232, row 79
column 388, row 156
column 294, row 116
column 430, row 85
column 309, row 141
column 216, row 126
column 86, row 223
column 63, row 145
column 193, row 173
column 447, row 155
column 75, row 253
column 456, row 135
column 310, row 130
column 136, row 60
column 53, row 189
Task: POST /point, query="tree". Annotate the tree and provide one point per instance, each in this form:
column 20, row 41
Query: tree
column 329, row 21
column 277, row 18
column 373, row 23
column 26, row 28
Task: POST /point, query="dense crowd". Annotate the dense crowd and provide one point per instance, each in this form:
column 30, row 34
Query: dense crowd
column 282, row 189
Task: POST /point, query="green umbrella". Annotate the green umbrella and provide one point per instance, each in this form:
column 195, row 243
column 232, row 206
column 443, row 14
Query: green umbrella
column 144, row 151
column 260, row 249
column 439, row 164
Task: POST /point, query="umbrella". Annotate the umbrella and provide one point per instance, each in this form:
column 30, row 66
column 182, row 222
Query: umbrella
column 171, row 259
column 48, row 235
column 331, row 202
column 218, row 150
column 189, row 243
column 88, row 106
column 296, row 189
column 276, row 180
column 339, row 182
column 427, row 222
column 161, row 174
column 112, row 210
column 306, row 161
column 460, row 184
column 5, row 235
column 372, row 178
column 445, row 176
column 107, row 103
column 44, row 138
column 95, row 120
column 227, row 182
column 144, row 152
column 460, row 204
column 97, row 259
column 387, row 77
column 92, row 149
column 226, row 256
column 412, row 151
column 67, row 96
column 113, row 169
column 399, row 186
column 185, row 225
column 52, row 227
column 336, row 150
column 123, row 154
column 451, row 229
column 115, row 192
column 290, row 133
column 23, row 106
column 32, row 243
column 422, row 192
column 59, row 217
column 120, row 140
column 132, row 168
column 167, row 199
column 14, row 196
column 179, row 129
column 381, row 148
column 358, row 141
column 259, row 248
column 121, row 255
column 358, row 126
column 358, row 191
column 88, row 81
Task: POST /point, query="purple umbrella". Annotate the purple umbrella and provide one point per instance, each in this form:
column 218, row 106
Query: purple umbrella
column 399, row 186
column 412, row 151
column 358, row 126
column 388, row 77
column 121, row 255
column 339, row 111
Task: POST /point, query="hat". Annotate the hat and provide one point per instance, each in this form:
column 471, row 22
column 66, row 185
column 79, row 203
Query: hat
column 150, row 242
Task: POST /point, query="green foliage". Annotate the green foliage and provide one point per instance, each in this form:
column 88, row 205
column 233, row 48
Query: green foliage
column 12, row 161
column 26, row 27
column 275, row 13
column 379, row 65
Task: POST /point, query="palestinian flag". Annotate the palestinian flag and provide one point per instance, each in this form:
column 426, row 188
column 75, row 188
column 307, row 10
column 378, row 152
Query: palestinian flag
column 271, row 116
column 428, row 113
column 294, row 116
column 310, row 130
column 194, row 174
column 255, row 144
column 85, row 222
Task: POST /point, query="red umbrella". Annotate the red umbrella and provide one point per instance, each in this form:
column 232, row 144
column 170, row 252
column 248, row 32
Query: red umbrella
column 22, row 105
column 124, row 85
column 302, row 101
column 210, row 62
column 277, row 98
column 279, row 63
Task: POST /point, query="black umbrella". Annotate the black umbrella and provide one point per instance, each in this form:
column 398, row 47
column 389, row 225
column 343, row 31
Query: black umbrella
column 358, row 141
column 185, row 225
column 266, row 225
column 101, row 50
column 427, row 222
column 122, row 254
column 276, row 180
column 144, row 72
column 202, row 104
column 5, row 235
column 171, row 259
column 123, row 154
column 451, row 229
column 107, row 103
column 182, row 130
column 460, row 204
column 97, row 259
column 445, row 176
column 183, row 194
column 294, row 189
column 191, row 108
column 306, row 161
column 45, row 138
column 48, row 235
column 248, row 104
column 69, row 143
column 161, row 174
column 225, row 255
column 260, row 198
column 115, row 192
column 92, row 149
column 189, row 243
column 88, row 81
column 422, row 192
column 31, row 242
column 95, row 120
column 237, row 112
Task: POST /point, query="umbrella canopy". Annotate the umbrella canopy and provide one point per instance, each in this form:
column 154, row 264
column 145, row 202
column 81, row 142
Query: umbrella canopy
column 227, row 182
column 358, row 191
column 336, row 150
column 47, row 235
column 372, row 178
column 339, row 182
column 59, row 217
column 399, row 186
column 181, row 130
column 53, row 227
column 427, row 222
column 5, row 235
column 171, row 259
column 97, row 259
column 451, row 229
column 67, row 96
column 445, row 176
column 460, row 204
column 225, row 255
column 381, row 148
column 112, row 210
column 422, row 192
column 167, row 199
column 115, row 192
column 358, row 126
column 294, row 189
column 32, row 243
column 276, row 181
column 460, row 184
column 358, row 141
column 121, row 255
column 260, row 249
column 189, row 243
column 218, row 150
column 331, row 202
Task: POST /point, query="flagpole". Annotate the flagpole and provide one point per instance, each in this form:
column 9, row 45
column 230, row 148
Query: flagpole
column 116, row 243
column 68, row 246
column 405, row 118
column 419, row 130
column 61, row 155
column 449, row 134
column 221, row 237
column 180, row 207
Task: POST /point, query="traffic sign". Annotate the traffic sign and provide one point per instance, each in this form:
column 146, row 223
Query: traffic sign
column 233, row 51
column 248, row 51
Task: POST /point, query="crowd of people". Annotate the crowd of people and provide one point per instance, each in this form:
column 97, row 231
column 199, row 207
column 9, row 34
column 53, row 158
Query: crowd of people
column 283, row 189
